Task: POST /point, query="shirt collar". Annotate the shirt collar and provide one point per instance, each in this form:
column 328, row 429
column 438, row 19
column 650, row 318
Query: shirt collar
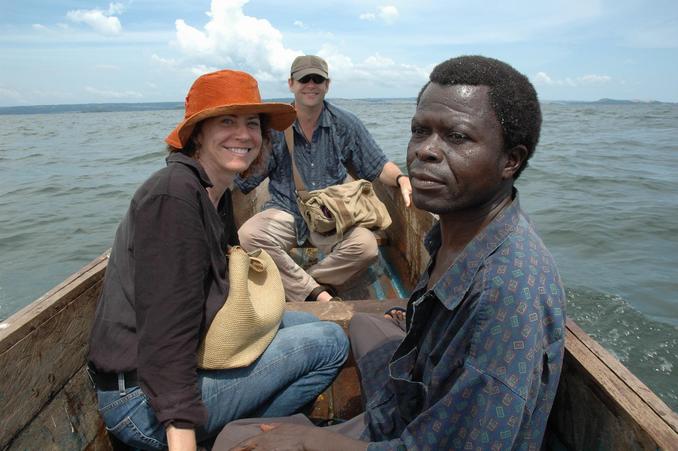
column 324, row 119
column 182, row 158
column 454, row 284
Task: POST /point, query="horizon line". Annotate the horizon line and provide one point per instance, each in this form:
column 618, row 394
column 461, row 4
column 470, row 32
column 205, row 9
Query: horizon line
column 602, row 99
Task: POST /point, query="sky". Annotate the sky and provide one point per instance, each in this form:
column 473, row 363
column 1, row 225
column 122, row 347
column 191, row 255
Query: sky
column 72, row 51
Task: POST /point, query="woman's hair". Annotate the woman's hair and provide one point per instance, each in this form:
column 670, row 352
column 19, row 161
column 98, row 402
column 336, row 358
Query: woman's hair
column 258, row 166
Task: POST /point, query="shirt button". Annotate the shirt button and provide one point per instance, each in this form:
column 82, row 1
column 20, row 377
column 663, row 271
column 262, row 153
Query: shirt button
column 312, row 165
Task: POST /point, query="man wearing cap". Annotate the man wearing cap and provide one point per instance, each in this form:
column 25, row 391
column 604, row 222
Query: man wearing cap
column 327, row 140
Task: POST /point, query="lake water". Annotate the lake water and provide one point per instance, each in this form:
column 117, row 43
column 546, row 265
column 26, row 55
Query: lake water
column 602, row 189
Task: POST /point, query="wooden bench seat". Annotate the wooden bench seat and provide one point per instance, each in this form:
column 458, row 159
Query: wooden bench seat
column 342, row 400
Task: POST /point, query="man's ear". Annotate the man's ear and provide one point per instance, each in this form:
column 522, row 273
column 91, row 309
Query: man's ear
column 515, row 158
column 290, row 82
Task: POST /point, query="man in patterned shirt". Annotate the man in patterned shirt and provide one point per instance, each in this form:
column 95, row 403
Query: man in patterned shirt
column 479, row 365
column 327, row 139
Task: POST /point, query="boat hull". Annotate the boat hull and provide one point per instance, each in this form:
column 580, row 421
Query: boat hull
column 47, row 401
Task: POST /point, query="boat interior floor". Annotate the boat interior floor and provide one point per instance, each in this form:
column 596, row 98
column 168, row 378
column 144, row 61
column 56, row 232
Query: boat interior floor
column 379, row 281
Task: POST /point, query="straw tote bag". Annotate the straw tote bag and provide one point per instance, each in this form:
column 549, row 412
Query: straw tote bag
column 249, row 319
column 337, row 208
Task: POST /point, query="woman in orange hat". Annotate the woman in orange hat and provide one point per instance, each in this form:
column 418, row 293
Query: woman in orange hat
column 167, row 277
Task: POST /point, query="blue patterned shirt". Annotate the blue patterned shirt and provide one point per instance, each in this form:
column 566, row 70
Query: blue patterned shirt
column 479, row 366
column 339, row 140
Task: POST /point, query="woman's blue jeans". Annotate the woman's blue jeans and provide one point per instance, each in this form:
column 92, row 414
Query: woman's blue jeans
column 301, row 361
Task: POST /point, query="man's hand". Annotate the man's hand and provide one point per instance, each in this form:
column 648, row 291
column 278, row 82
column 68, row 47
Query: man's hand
column 391, row 176
column 295, row 437
column 406, row 190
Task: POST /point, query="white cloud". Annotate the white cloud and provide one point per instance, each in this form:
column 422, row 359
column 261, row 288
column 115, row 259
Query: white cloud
column 594, row 79
column 104, row 22
column 9, row 94
column 542, row 78
column 113, row 94
column 230, row 38
column 387, row 13
column 233, row 38
column 376, row 69
column 299, row 24
column 167, row 62
column 115, row 9
column 37, row 26
column 201, row 69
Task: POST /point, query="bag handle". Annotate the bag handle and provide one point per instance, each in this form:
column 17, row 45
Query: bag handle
column 256, row 263
column 289, row 140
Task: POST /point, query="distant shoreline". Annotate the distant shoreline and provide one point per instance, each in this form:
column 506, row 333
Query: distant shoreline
column 155, row 106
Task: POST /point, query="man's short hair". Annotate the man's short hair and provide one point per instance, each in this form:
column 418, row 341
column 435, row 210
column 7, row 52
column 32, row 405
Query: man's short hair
column 512, row 96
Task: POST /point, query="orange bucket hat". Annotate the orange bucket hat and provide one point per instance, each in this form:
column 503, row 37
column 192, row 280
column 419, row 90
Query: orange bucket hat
column 226, row 92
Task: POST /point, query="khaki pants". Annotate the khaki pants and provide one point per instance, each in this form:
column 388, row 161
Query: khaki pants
column 273, row 230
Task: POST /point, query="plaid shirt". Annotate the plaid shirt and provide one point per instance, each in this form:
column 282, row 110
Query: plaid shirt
column 479, row 366
column 339, row 140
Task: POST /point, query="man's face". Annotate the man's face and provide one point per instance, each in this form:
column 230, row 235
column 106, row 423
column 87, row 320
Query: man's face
column 309, row 94
column 455, row 156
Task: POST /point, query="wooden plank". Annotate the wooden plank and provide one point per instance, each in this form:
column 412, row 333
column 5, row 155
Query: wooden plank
column 69, row 421
column 29, row 318
column 342, row 312
column 636, row 386
column 44, row 345
column 406, row 234
column 601, row 404
column 346, row 393
column 343, row 399
column 247, row 205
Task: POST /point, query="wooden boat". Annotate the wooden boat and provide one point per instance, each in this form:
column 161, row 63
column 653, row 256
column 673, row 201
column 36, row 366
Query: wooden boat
column 47, row 401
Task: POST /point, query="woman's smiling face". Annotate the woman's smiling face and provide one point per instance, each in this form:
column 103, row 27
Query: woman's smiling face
column 229, row 143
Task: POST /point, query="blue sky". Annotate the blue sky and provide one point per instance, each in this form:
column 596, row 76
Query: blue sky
column 70, row 51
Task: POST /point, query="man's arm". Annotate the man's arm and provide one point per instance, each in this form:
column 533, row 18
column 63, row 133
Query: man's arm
column 389, row 176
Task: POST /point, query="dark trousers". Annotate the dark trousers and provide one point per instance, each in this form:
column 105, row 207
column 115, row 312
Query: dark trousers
column 366, row 332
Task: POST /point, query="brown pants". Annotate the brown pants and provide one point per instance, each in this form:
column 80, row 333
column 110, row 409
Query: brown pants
column 273, row 230
column 367, row 332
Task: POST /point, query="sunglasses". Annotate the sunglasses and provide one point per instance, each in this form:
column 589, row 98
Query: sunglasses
column 317, row 79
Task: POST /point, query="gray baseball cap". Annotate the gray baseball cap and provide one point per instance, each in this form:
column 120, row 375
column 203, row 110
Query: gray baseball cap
column 308, row 64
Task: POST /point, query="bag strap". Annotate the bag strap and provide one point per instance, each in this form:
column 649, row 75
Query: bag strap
column 289, row 140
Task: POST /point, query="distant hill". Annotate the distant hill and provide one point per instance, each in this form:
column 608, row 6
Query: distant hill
column 606, row 101
column 99, row 107
column 91, row 108
column 625, row 102
column 154, row 106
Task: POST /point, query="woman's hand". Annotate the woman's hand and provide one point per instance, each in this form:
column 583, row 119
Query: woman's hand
column 295, row 437
column 180, row 439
